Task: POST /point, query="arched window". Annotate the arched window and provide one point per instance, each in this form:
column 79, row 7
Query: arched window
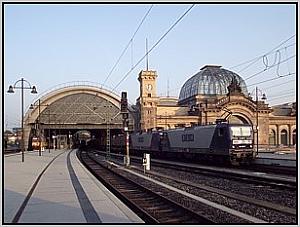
column 294, row 137
column 272, row 138
column 283, row 137
column 236, row 119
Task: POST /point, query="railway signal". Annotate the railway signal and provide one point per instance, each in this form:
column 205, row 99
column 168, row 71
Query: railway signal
column 124, row 111
column 124, row 105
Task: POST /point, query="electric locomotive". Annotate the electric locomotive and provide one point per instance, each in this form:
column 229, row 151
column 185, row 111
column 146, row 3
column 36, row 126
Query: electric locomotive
column 218, row 142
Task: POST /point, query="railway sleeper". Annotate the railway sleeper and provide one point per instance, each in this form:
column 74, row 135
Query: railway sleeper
column 160, row 207
column 124, row 190
column 162, row 210
column 142, row 200
column 177, row 220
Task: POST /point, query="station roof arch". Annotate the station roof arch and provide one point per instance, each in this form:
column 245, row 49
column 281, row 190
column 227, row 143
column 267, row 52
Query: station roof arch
column 77, row 104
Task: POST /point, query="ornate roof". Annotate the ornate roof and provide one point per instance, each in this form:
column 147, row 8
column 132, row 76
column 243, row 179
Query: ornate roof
column 211, row 80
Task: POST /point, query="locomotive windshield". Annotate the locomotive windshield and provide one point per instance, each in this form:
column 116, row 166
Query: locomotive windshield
column 238, row 131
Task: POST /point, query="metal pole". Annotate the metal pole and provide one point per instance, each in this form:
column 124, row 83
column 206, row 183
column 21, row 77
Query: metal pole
column 54, row 139
column 107, row 135
column 206, row 111
column 39, row 119
column 256, row 121
column 49, row 133
column 58, row 139
column 22, row 101
column 127, row 149
column 166, row 121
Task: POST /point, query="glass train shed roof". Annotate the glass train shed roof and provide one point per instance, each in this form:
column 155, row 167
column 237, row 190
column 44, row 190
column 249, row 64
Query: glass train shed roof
column 211, row 80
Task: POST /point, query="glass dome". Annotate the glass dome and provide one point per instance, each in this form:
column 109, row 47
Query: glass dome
column 211, row 80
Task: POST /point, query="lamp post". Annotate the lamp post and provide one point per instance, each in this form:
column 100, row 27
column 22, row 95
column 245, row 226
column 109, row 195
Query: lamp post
column 33, row 91
column 256, row 101
column 39, row 122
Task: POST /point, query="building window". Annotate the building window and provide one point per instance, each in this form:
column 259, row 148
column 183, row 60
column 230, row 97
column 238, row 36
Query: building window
column 294, row 137
column 149, row 95
column 283, row 137
column 272, row 138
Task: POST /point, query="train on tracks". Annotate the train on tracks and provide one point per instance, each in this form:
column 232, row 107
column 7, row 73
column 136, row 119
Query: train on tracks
column 39, row 143
column 221, row 142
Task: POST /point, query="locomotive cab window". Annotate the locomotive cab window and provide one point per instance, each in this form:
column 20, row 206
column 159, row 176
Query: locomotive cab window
column 221, row 131
column 237, row 131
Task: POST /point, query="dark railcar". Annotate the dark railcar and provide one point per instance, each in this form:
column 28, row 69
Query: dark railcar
column 220, row 142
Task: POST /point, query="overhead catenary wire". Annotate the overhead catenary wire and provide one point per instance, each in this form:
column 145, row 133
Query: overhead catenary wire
column 283, row 92
column 290, row 94
column 262, row 57
column 270, row 67
column 254, row 60
column 267, row 88
column 267, row 66
column 126, row 47
column 276, row 78
column 261, row 82
column 161, row 38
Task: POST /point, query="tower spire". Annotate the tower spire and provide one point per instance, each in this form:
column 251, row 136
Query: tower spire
column 168, row 88
column 147, row 60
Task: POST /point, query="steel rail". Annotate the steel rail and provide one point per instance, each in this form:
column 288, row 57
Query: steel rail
column 229, row 173
column 150, row 206
column 257, row 202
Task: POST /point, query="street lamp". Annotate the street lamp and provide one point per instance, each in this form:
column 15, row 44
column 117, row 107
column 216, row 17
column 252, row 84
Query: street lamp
column 39, row 123
column 263, row 97
column 33, row 91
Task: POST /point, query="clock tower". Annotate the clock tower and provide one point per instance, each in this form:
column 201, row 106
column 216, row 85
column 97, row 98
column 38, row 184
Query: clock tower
column 147, row 101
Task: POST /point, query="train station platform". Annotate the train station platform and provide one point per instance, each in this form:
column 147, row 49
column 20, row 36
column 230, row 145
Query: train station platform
column 57, row 188
column 279, row 158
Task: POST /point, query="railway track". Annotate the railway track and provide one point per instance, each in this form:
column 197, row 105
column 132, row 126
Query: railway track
column 150, row 206
column 16, row 153
column 249, row 175
column 277, row 169
column 254, row 177
column 218, row 192
column 261, row 207
column 11, row 151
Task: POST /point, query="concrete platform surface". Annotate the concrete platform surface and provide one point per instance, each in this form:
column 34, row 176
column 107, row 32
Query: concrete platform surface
column 65, row 193
column 278, row 158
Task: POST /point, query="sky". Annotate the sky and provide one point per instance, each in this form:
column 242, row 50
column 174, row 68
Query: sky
column 54, row 44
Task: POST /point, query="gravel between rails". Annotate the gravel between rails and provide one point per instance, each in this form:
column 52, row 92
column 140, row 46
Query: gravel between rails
column 253, row 210
column 210, row 212
column 266, row 193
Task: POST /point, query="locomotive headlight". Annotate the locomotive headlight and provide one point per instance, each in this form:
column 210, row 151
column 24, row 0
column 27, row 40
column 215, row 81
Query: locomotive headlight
column 233, row 146
column 250, row 146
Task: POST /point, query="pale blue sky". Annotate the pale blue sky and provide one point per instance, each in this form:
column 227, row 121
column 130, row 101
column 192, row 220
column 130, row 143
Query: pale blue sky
column 53, row 44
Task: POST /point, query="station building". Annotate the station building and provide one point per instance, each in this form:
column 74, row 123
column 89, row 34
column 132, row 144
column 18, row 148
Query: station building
column 212, row 93
column 215, row 93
